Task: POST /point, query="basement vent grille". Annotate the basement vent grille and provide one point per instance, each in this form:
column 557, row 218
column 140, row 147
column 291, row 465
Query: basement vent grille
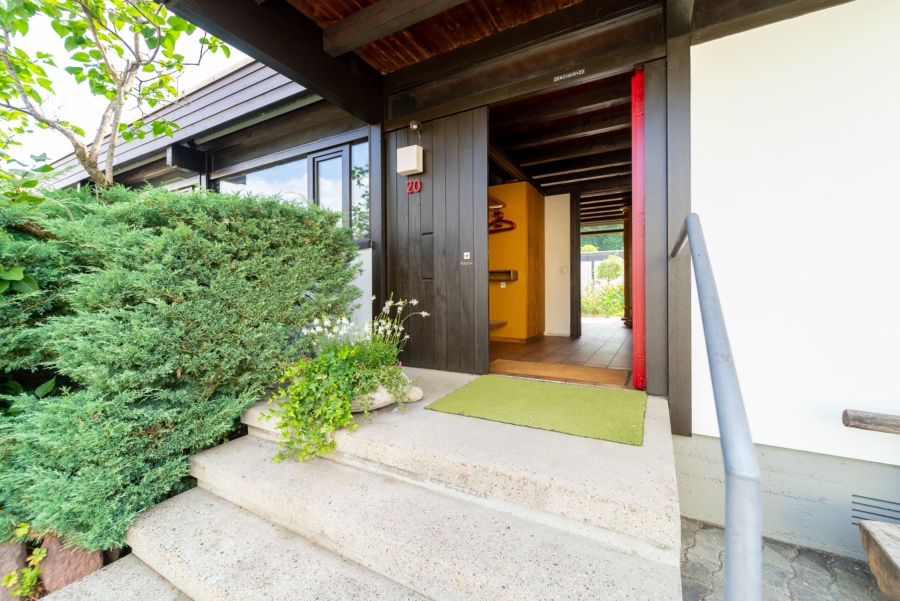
column 867, row 508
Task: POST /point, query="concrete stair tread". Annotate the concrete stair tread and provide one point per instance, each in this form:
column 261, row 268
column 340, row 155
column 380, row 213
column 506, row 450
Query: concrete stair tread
column 624, row 490
column 129, row 578
column 215, row 551
column 444, row 547
column 881, row 540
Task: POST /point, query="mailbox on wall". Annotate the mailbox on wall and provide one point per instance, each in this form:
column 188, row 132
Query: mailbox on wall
column 410, row 160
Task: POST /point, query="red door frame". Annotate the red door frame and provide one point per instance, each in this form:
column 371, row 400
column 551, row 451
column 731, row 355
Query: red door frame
column 638, row 235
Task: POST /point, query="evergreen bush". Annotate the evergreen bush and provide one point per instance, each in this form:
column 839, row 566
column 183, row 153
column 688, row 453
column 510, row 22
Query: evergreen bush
column 163, row 316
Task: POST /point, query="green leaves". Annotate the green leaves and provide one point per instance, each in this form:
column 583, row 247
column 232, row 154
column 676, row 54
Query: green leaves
column 14, row 279
column 45, row 388
column 107, row 43
column 13, row 273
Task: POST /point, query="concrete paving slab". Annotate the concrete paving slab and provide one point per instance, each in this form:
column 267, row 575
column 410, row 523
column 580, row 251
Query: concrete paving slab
column 444, row 547
column 215, row 551
column 790, row 572
column 129, row 578
column 627, row 494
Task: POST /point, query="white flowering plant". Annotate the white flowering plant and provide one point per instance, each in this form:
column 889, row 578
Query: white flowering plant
column 316, row 392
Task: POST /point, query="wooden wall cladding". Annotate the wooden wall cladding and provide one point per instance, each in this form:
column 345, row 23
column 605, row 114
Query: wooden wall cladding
column 429, row 233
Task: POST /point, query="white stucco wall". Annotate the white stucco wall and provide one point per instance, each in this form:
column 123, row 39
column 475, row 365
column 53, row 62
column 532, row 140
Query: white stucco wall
column 556, row 266
column 795, row 161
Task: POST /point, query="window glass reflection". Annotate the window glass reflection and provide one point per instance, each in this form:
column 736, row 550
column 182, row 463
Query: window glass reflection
column 288, row 180
column 359, row 190
column 329, row 188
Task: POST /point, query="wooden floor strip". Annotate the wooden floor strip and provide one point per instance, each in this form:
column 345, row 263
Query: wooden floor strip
column 560, row 373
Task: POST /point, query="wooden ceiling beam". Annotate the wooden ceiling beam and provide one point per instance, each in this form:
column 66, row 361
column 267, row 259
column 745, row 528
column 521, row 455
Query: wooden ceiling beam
column 614, row 202
column 591, row 217
column 278, row 35
column 562, row 21
column 588, row 163
column 508, row 164
column 380, row 20
column 614, row 185
column 604, row 196
column 578, row 102
column 619, row 140
column 582, row 128
column 609, row 221
column 713, row 19
column 587, row 176
column 592, row 53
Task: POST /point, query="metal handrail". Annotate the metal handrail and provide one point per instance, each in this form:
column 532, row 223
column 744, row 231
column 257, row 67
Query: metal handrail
column 743, row 488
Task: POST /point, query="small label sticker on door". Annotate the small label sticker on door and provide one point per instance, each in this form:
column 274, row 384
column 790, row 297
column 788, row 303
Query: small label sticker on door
column 467, row 255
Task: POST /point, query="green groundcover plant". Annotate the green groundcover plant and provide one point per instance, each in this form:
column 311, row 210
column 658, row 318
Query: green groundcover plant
column 158, row 318
column 345, row 364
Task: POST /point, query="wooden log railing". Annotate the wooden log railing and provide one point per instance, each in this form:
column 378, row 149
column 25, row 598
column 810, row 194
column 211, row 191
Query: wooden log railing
column 876, row 422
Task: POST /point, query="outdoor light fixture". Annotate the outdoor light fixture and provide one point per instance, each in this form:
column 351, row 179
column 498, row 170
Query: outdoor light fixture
column 410, row 160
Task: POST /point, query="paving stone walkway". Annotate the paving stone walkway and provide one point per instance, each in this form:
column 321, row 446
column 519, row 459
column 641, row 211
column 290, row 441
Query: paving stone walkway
column 790, row 573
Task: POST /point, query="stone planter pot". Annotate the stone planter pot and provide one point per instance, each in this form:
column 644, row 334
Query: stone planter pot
column 382, row 398
column 12, row 558
column 63, row 565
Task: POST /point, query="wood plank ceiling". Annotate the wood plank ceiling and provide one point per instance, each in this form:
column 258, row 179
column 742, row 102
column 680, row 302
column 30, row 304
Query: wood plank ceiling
column 573, row 140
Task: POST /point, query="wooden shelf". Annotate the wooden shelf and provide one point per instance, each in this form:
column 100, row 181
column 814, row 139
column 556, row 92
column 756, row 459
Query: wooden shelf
column 503, row 275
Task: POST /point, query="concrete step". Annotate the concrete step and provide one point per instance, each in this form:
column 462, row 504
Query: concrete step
column 214, row 551
column 443, row 546
column 618, row 494
column 129, row 578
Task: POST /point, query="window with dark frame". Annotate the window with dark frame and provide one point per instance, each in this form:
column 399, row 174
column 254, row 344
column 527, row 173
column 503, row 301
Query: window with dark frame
column 335, row 178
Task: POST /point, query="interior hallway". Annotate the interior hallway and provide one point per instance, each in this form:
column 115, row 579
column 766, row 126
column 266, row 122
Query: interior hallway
column 605, row 343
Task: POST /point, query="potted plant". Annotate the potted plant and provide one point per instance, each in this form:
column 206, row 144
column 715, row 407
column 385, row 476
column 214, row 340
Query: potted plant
column 347, row 370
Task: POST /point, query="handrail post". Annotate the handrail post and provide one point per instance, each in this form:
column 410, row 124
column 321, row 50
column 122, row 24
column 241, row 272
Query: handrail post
column 743, row 488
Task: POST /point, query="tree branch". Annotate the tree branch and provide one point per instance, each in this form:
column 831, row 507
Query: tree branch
column 91, row 17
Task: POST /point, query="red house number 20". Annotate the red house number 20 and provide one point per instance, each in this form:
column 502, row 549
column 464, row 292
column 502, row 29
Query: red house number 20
column 413, row 186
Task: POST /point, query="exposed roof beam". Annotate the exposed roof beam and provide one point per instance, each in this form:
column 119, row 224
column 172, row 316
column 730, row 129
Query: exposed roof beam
column 606, row 203
column 508, row 164
column 278, row 35
column 613, row 185
column 713, row 19
column 612, row 204
column 380, row 20
column 589, row 176
column 605, row 195
column 582, row 128
column 587, row 163
column 570, row 105
column 619, row 140
column 556, row 23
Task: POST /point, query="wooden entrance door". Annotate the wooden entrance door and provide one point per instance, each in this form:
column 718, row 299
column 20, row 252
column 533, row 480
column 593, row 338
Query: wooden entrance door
column 437, row 246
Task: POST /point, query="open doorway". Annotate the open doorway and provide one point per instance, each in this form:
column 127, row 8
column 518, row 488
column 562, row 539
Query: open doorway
column 567, row 154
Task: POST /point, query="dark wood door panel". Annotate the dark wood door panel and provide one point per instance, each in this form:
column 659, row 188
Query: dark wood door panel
column 429, row 234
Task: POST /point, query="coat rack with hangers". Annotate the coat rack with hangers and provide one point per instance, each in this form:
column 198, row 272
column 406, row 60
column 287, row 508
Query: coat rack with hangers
column 496, row 222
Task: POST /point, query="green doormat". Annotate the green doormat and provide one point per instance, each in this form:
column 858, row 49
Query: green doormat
column 604, row 413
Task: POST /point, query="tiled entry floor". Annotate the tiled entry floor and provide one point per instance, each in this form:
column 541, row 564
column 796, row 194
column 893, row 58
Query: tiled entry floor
column 605, row 342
